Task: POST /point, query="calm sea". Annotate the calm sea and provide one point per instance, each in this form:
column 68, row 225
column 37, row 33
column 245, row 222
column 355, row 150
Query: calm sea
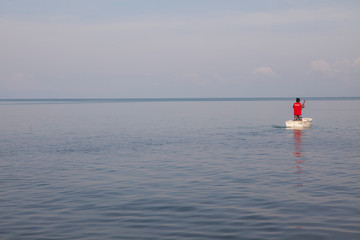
column 179, row 169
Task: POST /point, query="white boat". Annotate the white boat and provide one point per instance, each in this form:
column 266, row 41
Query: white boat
column 304, row 123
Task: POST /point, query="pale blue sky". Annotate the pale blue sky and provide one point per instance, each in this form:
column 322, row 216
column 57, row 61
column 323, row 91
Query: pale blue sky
column 179, row 48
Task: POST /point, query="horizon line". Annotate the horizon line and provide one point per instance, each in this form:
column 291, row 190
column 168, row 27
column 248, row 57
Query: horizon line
column 180, row 98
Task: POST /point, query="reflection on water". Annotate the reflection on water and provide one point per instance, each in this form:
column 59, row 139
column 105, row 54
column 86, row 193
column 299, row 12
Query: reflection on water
column 297, row 142
column 298, row 154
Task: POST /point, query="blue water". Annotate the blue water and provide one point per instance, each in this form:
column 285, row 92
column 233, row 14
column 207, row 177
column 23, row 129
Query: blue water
column 176, row 169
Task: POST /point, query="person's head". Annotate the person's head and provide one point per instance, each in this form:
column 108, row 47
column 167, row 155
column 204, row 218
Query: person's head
column 297, row 99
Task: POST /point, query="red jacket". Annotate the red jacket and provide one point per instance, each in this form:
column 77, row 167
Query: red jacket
column 297, row 108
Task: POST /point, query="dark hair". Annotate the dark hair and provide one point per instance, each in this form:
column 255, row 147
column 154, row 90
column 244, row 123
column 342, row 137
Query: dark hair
column 297, row 99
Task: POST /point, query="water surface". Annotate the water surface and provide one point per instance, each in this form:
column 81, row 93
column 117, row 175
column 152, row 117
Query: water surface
column 179, row 170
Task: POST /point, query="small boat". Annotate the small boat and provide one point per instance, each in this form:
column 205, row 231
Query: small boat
column 304, row 123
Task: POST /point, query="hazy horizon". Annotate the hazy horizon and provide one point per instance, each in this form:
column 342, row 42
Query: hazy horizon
column 179, row 49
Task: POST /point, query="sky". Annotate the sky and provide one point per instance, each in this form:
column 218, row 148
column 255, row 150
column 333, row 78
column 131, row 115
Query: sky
column 179, row 48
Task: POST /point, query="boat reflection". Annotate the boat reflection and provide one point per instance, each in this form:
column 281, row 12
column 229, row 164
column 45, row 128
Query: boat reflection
column 297, row 142
column 298, row 154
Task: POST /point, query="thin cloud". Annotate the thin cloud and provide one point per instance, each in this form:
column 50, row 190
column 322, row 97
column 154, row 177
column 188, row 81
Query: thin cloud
column 357, row 62
column 345, row 66
column 264, row 71
column 321, row 66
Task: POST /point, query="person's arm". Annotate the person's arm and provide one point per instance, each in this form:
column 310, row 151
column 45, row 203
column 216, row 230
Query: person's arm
column 303, row 105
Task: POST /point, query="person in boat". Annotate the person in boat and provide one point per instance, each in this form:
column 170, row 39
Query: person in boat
column 297, row 109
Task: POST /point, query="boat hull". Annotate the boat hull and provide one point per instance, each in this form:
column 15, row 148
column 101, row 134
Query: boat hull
column 304, row 123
